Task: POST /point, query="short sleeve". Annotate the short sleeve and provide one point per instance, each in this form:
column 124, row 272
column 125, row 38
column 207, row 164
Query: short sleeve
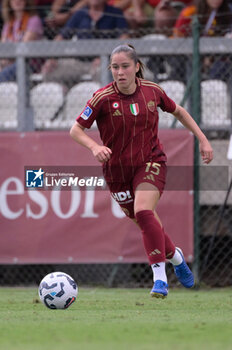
column 166, row 103
column 87, row 116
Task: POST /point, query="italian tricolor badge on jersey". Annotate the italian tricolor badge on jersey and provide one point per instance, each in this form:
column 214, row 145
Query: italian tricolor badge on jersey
column 134, row 108
column 115, row 104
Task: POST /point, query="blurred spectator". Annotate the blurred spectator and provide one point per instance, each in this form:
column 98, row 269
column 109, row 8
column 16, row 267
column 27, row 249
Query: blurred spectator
column 43, row 7
column 154, row 3
column 149, row 6
column 1, row 20
column 139, row 12
column 214, row 16
column 133, row 11
column 122, row 4
column 96, row 20
column 21, row 23
column 165, row 16
column 61, row 11
column 169, row 67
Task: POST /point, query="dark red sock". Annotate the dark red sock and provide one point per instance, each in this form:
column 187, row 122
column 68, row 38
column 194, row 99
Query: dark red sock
column 169, row 246
column 153, row 236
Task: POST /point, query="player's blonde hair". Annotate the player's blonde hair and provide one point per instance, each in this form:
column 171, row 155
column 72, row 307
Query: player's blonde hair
column 130, row 50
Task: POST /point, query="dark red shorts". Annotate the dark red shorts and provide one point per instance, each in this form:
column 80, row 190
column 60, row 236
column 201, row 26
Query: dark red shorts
column 152, row 172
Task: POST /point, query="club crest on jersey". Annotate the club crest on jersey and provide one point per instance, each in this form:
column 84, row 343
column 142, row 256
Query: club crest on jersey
column 115, row 105
column 134, row 108
column 151, row 106
column 86, row 113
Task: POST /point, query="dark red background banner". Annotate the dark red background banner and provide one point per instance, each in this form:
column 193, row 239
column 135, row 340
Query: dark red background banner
column 79, row 226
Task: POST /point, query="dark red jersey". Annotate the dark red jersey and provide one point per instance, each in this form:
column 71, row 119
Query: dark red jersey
column 128, row 125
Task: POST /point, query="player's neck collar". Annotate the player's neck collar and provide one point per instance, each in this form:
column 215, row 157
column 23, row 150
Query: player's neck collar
column 138, row 83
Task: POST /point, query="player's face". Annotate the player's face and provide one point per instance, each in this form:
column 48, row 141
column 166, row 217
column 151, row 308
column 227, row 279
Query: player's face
column 124, row 70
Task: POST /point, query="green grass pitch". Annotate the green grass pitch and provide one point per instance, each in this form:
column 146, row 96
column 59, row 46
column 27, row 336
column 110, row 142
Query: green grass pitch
column 122, row 319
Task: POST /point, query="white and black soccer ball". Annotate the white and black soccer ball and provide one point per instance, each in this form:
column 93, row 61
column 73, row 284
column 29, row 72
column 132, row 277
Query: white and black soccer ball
column 58, row 290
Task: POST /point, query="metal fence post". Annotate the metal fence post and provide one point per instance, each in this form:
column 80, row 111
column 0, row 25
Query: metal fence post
column 25, row 114
column 105, row 75
column 196, row 112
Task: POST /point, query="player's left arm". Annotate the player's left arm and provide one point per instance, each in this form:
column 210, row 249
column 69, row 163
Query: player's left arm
column 185, row 118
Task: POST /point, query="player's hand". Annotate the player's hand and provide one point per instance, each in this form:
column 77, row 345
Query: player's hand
column 206, row 151
column 102, row 153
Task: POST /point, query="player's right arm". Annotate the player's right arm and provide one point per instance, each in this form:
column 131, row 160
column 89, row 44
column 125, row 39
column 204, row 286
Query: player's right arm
column 101, row 153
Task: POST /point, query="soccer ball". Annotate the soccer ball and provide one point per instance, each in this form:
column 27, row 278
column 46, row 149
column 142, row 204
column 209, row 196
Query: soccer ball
column 57, row 290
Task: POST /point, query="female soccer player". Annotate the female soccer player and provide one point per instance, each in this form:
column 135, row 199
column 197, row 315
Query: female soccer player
column 133, row 160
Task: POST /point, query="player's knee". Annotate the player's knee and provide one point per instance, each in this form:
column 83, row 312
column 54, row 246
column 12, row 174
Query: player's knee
column 141, row 207
column 143, row 203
